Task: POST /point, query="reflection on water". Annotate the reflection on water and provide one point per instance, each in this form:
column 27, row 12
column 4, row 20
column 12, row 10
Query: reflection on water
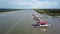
column 43, row 28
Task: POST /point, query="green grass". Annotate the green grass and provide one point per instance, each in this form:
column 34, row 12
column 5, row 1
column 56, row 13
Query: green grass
column 8, row 10
column 51, row 12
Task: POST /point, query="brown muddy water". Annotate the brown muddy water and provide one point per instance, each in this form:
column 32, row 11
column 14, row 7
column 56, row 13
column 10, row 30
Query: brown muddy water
column 21, row 23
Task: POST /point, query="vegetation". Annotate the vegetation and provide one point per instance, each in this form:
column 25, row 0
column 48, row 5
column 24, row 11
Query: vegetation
column 7, row 10
column 51, row 12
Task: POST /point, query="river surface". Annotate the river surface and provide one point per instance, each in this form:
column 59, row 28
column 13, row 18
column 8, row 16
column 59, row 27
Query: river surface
column 20, row 22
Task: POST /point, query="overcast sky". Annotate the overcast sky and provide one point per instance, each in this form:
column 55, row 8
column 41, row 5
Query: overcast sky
column 29, row 4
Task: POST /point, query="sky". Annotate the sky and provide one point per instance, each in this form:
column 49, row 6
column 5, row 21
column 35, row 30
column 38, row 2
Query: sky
column 30, row 4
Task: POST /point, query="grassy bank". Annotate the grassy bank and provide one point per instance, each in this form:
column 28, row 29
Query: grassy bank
column 40, row 11
column 51, row 12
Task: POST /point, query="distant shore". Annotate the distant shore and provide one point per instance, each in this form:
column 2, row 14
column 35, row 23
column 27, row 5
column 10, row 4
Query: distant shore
column 8, row 10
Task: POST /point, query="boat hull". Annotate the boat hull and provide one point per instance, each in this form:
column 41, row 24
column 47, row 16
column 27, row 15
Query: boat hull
column 46, row 25
column 41, row 25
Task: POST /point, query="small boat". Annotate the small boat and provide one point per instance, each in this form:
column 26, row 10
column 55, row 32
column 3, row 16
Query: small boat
column 41, row 25
column 40, row 21
column 46, row 25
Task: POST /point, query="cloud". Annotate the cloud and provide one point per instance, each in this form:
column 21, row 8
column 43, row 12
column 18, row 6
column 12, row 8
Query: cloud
column 45, row 4
column 37, row 4
column 13, row 2
column 29, row 4
column 0, row 4
column 22, row 3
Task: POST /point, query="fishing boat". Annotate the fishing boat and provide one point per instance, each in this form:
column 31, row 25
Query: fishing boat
column 39, row 21
column 46, row 25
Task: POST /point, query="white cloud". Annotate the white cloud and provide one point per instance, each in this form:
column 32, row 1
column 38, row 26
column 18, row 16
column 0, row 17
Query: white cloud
column 22, row 3
column 37, row 4
column 0, row 4
column 13, row 2
column 45, row 4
